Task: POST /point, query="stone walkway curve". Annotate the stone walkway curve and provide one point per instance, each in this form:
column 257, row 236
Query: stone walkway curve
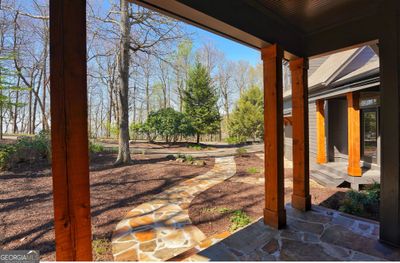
column 161, row 229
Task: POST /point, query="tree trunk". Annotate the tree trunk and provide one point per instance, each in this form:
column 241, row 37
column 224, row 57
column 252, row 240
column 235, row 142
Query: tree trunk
column 109, row 116
column 15, row 126
column 147, row 98
column 123, row 151
column 198, row 138
column 1, row 119
column 30, row 113
column 34, row 115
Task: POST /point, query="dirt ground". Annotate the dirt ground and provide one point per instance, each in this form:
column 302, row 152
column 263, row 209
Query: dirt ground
column 208, row 210
column 26, row 205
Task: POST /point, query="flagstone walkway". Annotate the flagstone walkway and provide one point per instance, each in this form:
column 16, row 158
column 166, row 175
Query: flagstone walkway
column 161, row 229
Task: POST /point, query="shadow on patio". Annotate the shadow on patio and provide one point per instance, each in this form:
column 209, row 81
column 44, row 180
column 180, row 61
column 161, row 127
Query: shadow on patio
column 321, row 234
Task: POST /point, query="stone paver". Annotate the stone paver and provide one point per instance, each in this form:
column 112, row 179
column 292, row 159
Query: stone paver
column 161, row 229
column 317, row 235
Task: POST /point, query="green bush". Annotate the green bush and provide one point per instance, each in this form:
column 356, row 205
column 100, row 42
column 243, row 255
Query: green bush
column 39, row 143
column 236, row 140
column 198, row 147
column 95, row 147
column 167, row 123
column 241, row 151
column 6, row 153
column 239, row 219
column 189, row 158
column 25, row 149
column 253, row 170
column 361, row 202
column 135, row 129
column 185, row 158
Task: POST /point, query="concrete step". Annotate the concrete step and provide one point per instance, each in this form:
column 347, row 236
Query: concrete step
column 326, row 178
column 337, row 171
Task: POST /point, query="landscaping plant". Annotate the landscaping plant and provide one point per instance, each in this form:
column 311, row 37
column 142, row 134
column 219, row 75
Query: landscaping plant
column 95, row 147
column 241, row 151
column 239, row 219
column 363, row 203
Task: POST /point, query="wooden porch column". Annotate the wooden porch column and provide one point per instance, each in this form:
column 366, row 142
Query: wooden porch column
column 301, row 198
column 69, row 130
column 353, row 128
column 389, row 54
column 274, row 212
column 321, row 141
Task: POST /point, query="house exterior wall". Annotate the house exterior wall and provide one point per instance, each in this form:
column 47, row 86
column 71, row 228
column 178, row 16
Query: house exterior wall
column 288, row 141
column 312, row 126
column 337, row 130
column 312, row 131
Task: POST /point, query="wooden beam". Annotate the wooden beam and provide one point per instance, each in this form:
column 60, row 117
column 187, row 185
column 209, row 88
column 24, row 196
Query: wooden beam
column 274, row 212
column 353, row 127
column 321, row 140
column 301, row 198
column 389, row 52
column 69, row 130
column 249, row 28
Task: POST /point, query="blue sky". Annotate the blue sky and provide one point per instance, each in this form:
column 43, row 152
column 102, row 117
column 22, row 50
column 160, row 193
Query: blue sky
column 232, row 49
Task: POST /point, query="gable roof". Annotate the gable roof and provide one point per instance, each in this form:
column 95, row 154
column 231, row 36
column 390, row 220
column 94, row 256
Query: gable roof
column 331, row 67
column 341, row 68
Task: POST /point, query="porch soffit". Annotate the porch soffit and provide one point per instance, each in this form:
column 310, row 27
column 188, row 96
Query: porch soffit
column 302, row 27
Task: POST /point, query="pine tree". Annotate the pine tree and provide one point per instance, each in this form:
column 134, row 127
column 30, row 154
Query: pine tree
column 7, row 79
column 247, row 119
column 200, row 102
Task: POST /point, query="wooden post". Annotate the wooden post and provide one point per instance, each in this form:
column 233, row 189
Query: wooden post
column 301, row 198
column 69, row 130
column 389, row 54
column 353, row 128
column 321, row 141
column 274, row 212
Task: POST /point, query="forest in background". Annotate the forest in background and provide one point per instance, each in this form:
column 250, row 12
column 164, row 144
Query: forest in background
column 161, row 53
column 138, row 63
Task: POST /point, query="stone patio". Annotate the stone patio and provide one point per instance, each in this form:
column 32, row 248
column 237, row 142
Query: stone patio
column 318, row 235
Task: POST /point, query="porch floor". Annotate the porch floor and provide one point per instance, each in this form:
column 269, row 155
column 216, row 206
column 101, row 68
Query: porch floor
column 321, row 234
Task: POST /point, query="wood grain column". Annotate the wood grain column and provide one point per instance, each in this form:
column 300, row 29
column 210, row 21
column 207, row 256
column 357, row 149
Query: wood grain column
column 274, row 212
column 353, row 128
column 69, row 130
column 301, row 198
column 321, row 139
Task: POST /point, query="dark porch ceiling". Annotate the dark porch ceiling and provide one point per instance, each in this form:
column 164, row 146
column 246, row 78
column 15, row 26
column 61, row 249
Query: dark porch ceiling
column 302, row 27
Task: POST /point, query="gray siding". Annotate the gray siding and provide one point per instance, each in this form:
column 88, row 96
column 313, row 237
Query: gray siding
column 337, row 129
column 288, row 142
column 312, row 129
column 312, row 125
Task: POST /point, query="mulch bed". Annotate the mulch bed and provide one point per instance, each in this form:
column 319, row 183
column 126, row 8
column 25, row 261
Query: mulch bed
column 207, row 209
column 26, row 202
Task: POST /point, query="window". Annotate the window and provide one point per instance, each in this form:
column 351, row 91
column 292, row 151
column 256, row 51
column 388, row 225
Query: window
column 370, row 135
